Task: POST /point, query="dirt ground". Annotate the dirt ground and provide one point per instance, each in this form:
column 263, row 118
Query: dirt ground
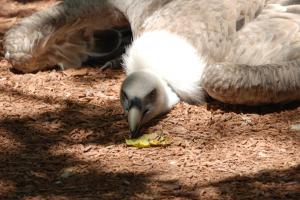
column 62, row 138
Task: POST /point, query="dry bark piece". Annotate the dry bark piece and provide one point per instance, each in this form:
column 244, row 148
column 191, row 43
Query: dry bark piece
column 76, row 72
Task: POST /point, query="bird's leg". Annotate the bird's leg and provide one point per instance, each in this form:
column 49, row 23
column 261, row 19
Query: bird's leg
column 115, row 63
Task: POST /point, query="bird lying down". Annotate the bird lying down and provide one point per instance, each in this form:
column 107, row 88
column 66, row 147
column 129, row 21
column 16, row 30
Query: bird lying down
column 202, row 53
column 236, row 51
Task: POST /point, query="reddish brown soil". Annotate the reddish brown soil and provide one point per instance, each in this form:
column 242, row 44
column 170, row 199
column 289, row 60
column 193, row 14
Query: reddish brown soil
column 62, row 137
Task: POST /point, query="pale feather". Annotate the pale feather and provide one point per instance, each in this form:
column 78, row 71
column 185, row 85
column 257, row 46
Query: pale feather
column 263, row 65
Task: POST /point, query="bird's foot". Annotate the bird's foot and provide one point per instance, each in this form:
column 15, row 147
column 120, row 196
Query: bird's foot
column 112, row 64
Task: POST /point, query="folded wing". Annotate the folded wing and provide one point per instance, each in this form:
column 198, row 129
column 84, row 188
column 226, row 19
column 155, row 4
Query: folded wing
column 263, row 65
column 60, row 35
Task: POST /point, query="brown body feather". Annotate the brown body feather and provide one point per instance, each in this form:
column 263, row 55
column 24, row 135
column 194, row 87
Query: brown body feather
column 251, row 47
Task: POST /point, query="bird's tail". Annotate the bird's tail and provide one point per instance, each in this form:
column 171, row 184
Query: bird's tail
column 253, row 85
column 61, row 34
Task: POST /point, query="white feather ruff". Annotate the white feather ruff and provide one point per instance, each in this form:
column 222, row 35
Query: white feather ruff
column 170, row 57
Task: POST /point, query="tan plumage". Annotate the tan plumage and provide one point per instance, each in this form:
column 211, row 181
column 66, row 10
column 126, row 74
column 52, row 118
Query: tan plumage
column 263, row 64
column 236, row 51
column 251, row 47
column 59, row 35
column 248, row 50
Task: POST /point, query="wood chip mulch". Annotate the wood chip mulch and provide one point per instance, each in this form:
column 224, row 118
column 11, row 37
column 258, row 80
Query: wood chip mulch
column 62, row 138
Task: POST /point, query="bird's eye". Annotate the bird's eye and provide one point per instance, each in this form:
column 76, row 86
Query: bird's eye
column 152, row 94
column 146, row 112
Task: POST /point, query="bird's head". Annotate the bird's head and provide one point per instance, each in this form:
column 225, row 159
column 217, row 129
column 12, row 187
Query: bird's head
column 143, row 97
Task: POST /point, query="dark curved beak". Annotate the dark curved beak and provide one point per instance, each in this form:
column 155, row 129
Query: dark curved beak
column 135, row 117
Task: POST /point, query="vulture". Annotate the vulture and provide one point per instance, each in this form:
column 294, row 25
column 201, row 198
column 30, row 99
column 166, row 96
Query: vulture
column 235, row 51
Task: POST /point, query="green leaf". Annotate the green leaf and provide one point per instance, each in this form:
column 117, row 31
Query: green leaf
column 149, row 140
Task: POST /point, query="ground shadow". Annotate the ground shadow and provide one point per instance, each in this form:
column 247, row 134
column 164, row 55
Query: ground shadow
column 103, row 125
column 270, row 184
column 260, row 109
column 39, row 174
column 36, row 172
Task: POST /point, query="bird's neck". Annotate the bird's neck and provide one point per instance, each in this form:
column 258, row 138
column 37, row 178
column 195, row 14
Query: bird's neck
column 169, row 57
column 170, row 98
